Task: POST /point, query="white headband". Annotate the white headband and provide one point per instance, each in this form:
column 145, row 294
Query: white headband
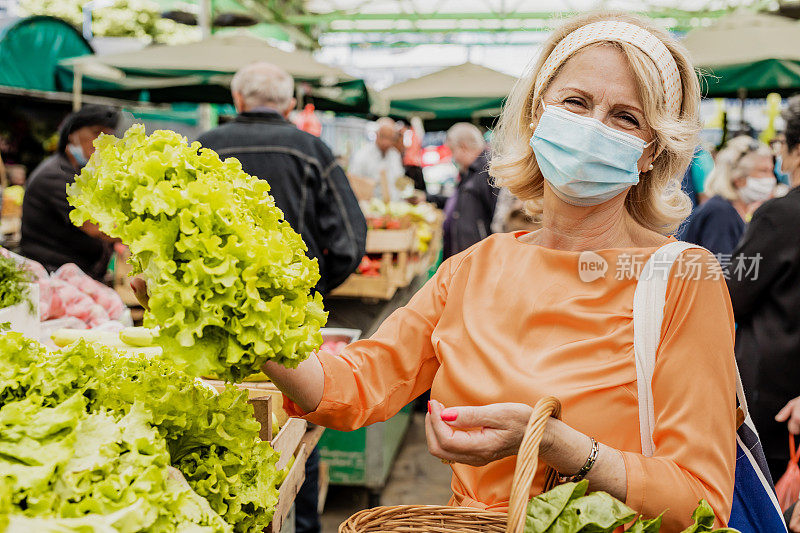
column 624, row 32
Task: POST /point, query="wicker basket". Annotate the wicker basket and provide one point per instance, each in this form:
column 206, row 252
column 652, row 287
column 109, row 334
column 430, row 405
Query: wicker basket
column 444, row 519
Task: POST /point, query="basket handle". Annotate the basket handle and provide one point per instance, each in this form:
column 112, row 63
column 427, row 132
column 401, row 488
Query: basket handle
column 528, row 461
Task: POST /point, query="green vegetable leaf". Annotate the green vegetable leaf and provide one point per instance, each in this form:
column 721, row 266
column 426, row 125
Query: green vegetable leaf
column 544, row 509
column 704, row 518
column 229, row 280
column 646, row 526
column 95, row 441
column 14, row 281
column 597, row 512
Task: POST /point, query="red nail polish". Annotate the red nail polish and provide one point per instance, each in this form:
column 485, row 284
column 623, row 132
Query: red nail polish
column 449, row 415
column 429, row 406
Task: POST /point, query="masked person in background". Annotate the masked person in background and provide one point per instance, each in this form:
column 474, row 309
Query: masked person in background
column 469, row 212
column 776, row 145
column 741, row 180
column 766, row 304
column 48, row 236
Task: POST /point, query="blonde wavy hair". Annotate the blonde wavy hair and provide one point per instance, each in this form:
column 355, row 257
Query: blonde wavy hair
column 657, row 201
column 735, row 161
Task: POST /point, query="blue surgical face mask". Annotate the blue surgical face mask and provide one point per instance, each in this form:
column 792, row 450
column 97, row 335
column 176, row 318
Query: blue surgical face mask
column 780, row 175
column 77, row 153
column 585, row 162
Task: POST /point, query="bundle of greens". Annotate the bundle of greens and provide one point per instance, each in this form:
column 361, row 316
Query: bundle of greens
column 13, row 282
column 568, row 509
column 93, row 441
column 229, row 281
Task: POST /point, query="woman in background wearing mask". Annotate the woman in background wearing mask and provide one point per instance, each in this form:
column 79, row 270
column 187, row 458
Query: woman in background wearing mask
column 741, row 181
column 48, row 235
column 593, row 138
column 766, row 305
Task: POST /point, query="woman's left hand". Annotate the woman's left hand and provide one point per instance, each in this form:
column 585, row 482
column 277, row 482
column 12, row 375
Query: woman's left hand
column 475, row 435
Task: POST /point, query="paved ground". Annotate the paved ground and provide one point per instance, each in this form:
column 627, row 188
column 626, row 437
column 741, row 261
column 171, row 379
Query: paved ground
column 417, row 477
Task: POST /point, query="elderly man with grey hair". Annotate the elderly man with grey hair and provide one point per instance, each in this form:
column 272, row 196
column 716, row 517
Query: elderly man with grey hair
column 469, row 212
column 308, row 186
column 307, row 183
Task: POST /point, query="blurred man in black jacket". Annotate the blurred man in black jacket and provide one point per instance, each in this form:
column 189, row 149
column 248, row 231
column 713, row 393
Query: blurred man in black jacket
column 48, row 236
column 308, row 186
column 469, row 212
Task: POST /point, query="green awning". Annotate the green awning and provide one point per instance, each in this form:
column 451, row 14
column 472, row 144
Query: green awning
column 750, row 52
column 30, row 49
column 758, row 78
column 202, row 71
column 465, row 92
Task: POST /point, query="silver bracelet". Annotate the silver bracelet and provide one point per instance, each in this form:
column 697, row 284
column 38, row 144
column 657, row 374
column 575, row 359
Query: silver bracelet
column 586, row 467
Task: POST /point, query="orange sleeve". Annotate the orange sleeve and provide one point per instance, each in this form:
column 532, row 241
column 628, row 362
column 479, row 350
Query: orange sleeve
column 694, row 403
column 374, row 378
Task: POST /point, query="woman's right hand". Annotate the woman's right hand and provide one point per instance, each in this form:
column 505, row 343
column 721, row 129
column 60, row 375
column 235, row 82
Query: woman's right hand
column 139, row 287
column 791, row 412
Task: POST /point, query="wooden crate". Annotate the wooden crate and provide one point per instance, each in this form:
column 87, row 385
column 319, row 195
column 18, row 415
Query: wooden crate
column 397, row 271
column 380, row 287
column 401, row 268
column 287, row 441
column 257, row 389
column 262, row 411
column 391, row 240
column 364, row 189
column 287, row 492
column 302, row 445
column 295, row 438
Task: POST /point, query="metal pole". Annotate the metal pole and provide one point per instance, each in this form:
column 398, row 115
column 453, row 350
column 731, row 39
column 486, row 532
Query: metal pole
column 742, row 93
column 204, row 22
column 204, row 19
column 77, row 87
column 87, row 20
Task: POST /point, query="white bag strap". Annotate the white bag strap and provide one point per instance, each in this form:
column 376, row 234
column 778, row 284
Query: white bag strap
column 648, row 316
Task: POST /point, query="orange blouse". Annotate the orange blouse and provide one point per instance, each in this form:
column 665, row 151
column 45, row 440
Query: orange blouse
column 507, row 321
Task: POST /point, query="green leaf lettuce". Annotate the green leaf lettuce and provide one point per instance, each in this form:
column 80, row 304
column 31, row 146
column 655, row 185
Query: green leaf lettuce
column 229, row 280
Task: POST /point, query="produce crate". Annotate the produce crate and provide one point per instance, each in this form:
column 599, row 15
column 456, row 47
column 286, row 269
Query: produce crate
column 258, row 390
column 391, row 240
column 290, row 442
column 432, row 253
column 381, row 287
column 396, row 271
column 294, row 438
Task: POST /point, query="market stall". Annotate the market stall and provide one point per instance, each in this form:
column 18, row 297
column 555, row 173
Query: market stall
column 201, row 72
column 747, row 55
column 127, row 432
column 462, row 93
column 30, row 49
column 403, row 241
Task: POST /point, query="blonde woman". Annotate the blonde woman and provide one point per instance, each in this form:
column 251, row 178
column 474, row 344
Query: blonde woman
column 742, row 180
column 592, row 139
